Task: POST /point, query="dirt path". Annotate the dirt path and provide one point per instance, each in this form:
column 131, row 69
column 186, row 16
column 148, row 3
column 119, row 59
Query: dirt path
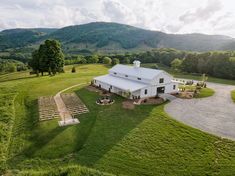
column 63, row 111
column 215, row 114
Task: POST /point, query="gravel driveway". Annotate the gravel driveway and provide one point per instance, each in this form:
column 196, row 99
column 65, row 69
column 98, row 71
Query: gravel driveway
column 215, row 114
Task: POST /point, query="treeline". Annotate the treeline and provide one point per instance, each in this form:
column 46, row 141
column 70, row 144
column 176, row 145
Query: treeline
column 8, row 66
column 163, row 56
column 22, row 57
column 220, row 64
column 104, row 59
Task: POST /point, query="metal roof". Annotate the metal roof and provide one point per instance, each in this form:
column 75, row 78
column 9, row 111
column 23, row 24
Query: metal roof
column 121, row 83
column 140, row 72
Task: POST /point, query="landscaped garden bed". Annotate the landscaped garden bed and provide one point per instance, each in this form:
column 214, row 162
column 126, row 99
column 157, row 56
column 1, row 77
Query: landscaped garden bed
column 194, row 90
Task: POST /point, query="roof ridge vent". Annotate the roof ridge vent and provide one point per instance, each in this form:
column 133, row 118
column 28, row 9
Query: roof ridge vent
column 136, row 64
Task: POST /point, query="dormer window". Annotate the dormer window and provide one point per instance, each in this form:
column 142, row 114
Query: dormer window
column 115, row 73
column 126, row 75
column 139, row 78
column 161, row 80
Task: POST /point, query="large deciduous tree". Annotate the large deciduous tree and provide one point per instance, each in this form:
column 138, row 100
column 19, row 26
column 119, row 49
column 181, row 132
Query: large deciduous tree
column 48, row 58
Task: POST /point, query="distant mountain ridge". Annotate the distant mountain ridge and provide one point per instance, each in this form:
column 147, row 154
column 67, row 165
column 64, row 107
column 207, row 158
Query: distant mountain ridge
column 111, row 37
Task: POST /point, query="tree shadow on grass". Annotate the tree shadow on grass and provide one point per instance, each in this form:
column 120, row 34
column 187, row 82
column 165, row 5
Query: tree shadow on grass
column 108, row 127
column 39, row 133
column 100, row 130
column 39, row 141
column 14, row 79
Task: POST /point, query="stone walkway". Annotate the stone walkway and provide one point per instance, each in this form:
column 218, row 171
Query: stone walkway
column 66, row 116
column 215, row 114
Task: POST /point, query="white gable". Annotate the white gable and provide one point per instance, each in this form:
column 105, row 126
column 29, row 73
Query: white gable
column 140, row 72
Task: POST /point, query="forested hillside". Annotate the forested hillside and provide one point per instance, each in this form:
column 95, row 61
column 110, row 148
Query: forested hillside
column 112, row 38
column 14, row 38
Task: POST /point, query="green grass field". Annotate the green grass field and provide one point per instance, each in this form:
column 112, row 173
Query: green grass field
column 205, row 92
column 143, row 141
column 233, row 95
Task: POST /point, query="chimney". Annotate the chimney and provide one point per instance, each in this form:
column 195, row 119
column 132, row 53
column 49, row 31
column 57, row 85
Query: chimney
column 136, row 64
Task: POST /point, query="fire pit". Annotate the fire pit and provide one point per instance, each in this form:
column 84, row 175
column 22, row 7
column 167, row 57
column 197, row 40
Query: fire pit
column 106, row 100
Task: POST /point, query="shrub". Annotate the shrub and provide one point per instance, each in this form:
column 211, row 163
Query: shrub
column 73, row 69
column 115, row 61
column 107, row 60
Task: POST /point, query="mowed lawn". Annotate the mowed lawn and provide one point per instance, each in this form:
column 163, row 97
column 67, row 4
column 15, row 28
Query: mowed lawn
column 143, row 141
column 205, row 92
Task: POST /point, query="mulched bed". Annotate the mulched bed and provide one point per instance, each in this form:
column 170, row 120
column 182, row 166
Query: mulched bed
column 153, row 101
column 128, row 104
column 185, row 95
column 100, row 91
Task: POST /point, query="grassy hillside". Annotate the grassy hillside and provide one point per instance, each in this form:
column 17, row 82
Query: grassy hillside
column 113, row 38
column 143, row 141
column 7, row 118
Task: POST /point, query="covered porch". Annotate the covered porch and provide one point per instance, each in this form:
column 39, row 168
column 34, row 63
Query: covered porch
column 124, row 87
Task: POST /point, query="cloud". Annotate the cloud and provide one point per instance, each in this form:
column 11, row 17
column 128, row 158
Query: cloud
column 118, row 12
column 201, row 13
column 171, row 16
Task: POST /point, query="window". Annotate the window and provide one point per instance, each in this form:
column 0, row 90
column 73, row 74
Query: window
column 145, row 91
column 161, row 80
column 174, row 87
column 126, row 75
column 115, row 73
column 139, row 78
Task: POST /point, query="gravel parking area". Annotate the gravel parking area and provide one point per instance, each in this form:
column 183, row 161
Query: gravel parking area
column 215, row 114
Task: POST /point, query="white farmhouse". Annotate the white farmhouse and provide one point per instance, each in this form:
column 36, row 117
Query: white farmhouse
column 136, row 82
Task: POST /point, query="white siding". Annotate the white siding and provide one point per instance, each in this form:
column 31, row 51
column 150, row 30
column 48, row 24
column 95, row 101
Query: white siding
column 167, row 79
column 169, row 88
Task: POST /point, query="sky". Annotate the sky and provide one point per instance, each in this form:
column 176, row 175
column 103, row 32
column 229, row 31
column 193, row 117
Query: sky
column 170, row 16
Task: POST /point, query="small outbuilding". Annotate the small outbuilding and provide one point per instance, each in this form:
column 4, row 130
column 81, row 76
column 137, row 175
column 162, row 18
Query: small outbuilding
column 136, row 82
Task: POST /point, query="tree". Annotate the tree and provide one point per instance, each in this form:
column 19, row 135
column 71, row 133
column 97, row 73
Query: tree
column 126, row 60
column 93, row 59
column 189, row 63
column 73, row 69
column 48, row 58
column 176, row 63
column 115, row 61
column 107, row 60
column 34, row 62
column 83, row 60
column 10, row 67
